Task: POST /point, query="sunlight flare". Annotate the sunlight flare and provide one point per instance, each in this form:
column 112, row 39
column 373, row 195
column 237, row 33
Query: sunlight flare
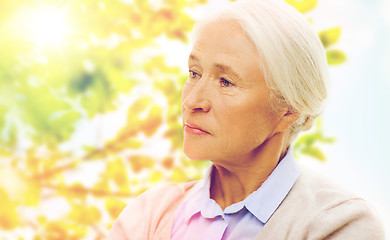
column 44, row 26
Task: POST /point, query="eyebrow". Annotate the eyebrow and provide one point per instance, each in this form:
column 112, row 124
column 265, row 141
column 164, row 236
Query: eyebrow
column 221, row 67
column 193, row 57
column 229, row 70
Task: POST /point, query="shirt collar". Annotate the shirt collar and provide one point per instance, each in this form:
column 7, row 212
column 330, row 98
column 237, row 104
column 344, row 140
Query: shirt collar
column 199, row 199
column 262, row 203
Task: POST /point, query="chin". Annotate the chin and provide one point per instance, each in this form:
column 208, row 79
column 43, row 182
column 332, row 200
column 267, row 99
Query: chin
column 194, row 153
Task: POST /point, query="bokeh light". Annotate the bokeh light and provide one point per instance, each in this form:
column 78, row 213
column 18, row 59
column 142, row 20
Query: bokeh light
column 43, row 26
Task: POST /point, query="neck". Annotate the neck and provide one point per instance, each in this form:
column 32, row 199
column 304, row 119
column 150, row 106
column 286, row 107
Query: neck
column 231, row 183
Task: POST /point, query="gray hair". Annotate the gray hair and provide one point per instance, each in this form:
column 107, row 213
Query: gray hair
column 292, row 57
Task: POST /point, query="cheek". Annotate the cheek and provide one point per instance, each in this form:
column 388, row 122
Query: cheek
column 234, row 124
column 249, row 122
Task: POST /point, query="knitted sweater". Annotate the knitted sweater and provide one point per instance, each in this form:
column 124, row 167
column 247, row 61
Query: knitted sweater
column 313, row 209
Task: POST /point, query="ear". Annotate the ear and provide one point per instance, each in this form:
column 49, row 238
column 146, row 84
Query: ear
column 288, row 118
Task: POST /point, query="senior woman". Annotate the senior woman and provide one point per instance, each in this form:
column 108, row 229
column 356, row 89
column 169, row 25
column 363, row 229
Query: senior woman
column 257, row 77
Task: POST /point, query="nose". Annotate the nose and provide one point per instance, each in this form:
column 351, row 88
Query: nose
column 196, row 98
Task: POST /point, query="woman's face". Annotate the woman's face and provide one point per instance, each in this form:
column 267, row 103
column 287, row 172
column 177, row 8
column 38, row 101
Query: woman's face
column 225, row 103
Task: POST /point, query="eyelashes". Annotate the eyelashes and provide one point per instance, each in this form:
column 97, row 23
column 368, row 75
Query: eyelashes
column 193, row 74
column 223, row 81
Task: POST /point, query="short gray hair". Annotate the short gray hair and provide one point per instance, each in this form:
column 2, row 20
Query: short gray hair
column 292, row 57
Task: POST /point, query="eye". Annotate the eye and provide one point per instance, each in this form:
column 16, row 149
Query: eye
column 225, row 83
column 193, row 74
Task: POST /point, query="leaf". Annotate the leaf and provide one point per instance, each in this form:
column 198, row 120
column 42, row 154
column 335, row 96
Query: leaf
column 330, row 36
column 19, row 187
column 168, row 162
column 85, row 215
column 139, row 162
column 43, row 108
column 314, row 152
column 12, row 136
column 138, row 106
column 306, row 140
column 32, row 194
column 98, row 98
column 178, row 175
column 42, row 219
column 319, row 123
column 76, row 190
column 156, row 176
column 3, row 111
column 9, row 218
column 81, row 84
column 114, row 207
column 175, row 134
column 335, row 57
column 122, row 142
column 307, row 143
column 116, row 170
column 328, row 140
column 118, row 80
column 303, row 5
column 64, row 229
column 5, row 153
column 65, row 124
column 152, row 122
column 101, row 188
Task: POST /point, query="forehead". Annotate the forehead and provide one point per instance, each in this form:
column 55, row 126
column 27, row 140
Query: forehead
column 224, row 39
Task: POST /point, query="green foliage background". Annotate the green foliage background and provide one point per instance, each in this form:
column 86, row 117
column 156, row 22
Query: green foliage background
column 47, row 92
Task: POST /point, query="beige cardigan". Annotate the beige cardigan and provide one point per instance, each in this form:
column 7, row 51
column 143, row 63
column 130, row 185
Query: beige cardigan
column 313, row 209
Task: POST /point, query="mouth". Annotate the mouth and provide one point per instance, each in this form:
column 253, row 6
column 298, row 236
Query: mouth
column 194, row 129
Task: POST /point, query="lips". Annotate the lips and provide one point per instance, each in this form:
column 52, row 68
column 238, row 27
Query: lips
column 194, row 129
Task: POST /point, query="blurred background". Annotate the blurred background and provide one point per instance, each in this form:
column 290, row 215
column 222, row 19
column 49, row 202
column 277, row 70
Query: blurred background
column 90, row 97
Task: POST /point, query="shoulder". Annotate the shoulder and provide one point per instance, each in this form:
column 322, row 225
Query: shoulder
column 161, row 195
column 317, row 208
column 314, row 187
column 335, row 212
column 147, row 212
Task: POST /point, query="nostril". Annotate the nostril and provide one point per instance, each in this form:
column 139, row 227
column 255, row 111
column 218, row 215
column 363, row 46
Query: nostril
column 201, row 107
column 196, row 99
